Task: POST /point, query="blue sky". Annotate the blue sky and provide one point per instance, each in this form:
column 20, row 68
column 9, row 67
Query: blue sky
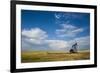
column 55, row 28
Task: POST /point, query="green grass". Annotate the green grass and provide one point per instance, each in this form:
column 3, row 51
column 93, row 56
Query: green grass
column 45, row 56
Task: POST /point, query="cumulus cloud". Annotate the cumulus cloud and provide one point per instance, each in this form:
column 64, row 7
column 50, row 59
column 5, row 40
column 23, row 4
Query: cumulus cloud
column 68, row 31
column 57, row 44
column 34, row 35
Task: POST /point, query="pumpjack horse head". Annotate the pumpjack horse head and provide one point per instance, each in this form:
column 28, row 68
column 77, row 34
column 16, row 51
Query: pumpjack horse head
column 73, row 48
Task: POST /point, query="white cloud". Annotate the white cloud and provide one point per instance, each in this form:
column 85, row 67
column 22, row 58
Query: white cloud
column 83, row 42
column 57, row 44
column 34, row 35
column 68, row 30
column 68, row 26
column 77, row 30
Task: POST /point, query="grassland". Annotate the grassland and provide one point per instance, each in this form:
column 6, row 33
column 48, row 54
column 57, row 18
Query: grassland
column 45, row 56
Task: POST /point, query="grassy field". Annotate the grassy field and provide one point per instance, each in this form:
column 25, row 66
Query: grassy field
column 45, row 56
